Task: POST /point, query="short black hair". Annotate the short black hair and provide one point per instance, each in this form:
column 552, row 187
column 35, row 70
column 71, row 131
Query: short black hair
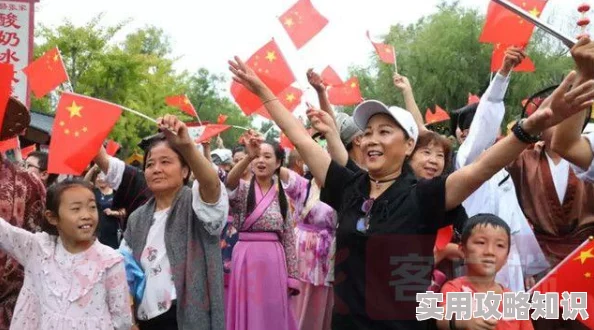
column 485, row 219
column 42, row 157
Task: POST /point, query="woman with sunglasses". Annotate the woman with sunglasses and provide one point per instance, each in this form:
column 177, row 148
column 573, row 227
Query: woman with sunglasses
column 388, row 220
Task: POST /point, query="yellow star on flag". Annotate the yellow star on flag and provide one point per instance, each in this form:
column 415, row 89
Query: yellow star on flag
column 66, row 131
column 388, row 50
column 291, row 97
column 588, row 275
column 76, row 134
column 271, row 56
column 85, row 129
column 56, row 58
column 62, row 123
column 74, row 110
column 289, row 22
column 186, row 101
column 353, row 85
column 585, row 255
column 534, row 12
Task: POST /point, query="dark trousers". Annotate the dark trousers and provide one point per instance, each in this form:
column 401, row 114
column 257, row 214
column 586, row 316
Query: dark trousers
column 166, row 321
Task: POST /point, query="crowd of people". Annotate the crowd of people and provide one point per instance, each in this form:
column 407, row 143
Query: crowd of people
column 342, row 236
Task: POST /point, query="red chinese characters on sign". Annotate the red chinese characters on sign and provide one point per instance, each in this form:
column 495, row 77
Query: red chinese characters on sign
column 15, row 37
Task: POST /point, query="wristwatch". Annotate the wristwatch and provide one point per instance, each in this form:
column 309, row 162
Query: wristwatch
column 522, row 135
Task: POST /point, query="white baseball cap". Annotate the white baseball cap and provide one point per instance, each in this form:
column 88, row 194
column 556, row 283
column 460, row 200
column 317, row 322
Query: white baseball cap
column 369, row 108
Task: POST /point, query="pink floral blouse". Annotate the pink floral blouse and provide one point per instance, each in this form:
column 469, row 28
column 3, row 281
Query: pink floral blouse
column 61, row 290
column 270, row 221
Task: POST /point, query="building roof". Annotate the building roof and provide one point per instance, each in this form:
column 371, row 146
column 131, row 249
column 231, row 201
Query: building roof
column 42, row 122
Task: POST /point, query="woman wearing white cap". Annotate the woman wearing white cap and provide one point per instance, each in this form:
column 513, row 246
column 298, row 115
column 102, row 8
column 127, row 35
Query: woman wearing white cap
column 387, row 219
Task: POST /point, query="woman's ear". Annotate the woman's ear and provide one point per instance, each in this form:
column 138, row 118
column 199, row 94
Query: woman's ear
column 410, row 146
column 51, row 217
column 185, row 172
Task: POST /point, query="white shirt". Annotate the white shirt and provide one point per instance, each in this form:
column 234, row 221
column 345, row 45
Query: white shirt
column 160, row 288
column 497, row 195
column 588, row 174
column 560, row 174
column 156, row 300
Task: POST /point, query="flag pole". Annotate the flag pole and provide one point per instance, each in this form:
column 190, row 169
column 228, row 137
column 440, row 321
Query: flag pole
column 395, row 61
column 240, row 127
column 196, row 110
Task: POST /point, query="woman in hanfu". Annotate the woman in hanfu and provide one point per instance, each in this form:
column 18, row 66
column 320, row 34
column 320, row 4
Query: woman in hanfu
column 263, row 266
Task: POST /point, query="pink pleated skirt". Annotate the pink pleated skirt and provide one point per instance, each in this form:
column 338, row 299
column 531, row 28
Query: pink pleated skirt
column 257, row 297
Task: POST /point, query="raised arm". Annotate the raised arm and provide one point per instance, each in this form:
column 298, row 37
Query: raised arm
column 177, row 135
column 465, row 181
column 318, row 84
column 322, row 122
column 567, row 138
column 403, row 84
column 252, row 149
column 314, row 156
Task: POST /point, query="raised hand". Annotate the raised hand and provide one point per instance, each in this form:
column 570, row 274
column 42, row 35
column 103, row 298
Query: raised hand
column 316, row 81
column 513, row 57
column 401, row 82
column 564, row 104
column 320, row 120
column 583, row 55
column 244, row 75
column 253, row 141
column 175, row 131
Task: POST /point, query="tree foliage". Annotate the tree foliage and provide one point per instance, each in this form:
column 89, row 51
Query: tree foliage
column 137, row 73
column 441, row 56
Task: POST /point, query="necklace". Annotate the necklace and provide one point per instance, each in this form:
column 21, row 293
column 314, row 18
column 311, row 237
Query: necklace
column 378, row 182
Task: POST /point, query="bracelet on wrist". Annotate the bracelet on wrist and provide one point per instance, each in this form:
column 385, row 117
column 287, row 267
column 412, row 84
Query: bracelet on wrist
column 522, row 135
column 271, row 100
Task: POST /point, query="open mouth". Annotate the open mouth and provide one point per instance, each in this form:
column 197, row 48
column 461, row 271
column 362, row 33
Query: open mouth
column 374, row 154
column 261, row 167
column 85, row 227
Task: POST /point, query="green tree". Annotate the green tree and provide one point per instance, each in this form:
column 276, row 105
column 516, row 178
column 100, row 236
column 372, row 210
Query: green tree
column 137, row 73
column 441, row 56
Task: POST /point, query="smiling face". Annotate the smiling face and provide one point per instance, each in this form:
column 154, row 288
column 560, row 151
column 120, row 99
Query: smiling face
column 428, row 162
column 164, row 171
column 77, row 216
column 266, row 163
column 385, row 146
column 486, row 250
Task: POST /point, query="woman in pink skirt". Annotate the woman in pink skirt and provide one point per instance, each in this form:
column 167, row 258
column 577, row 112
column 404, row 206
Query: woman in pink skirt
column 263, row 266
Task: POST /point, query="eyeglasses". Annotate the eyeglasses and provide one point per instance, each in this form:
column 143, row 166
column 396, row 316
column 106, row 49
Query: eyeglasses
column 26, row 166
column 363, row 222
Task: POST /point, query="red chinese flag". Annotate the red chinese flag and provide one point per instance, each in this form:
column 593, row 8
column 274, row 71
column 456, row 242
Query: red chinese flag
column 346, row 94
column 444, row 236
column 473, row 99
column 302, row 22
column 437, row 117
column 8, row 144
column 46, row 73
column 27, row 150
column 222, row 119
column 207, row 132
column 112, row 147
column 330, row 77
column 574, row 274
column 80, row 127
column 270, row 65
column 6, row 75
column 503, row 26
column 183, row 103
column 290, row 98
column 499, row 56
column 385, row 52
column 285, row 142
